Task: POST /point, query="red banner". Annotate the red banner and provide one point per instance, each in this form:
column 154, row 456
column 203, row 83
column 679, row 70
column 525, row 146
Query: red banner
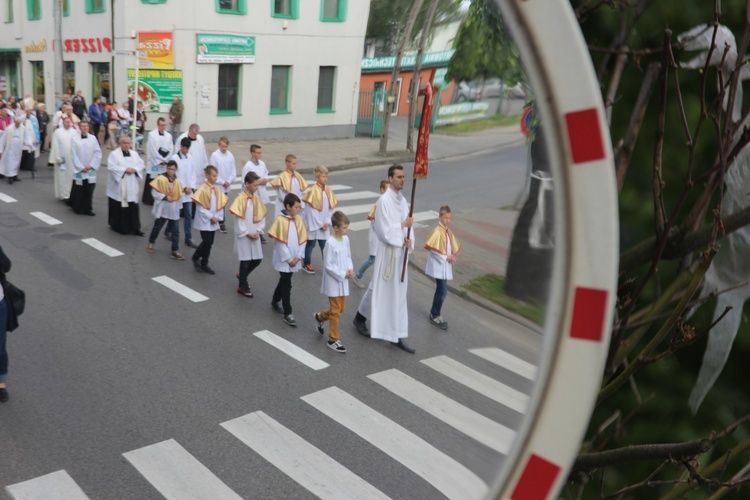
column 420, row 162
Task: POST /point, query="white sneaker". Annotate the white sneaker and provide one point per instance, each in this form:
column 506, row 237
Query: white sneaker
column 358, row 282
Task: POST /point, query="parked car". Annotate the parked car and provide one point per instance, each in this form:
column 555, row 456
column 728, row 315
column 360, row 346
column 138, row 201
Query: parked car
column 477, row 90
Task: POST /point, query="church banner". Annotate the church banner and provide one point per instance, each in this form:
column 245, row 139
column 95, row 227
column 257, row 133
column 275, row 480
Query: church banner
column 157, row 88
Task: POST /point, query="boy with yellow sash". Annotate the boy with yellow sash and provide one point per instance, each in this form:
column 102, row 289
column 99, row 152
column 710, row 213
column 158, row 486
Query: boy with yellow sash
column 320, row 203
column 443, row 247
column 290, row 236
column 250, row 219
column 288, row 181
column 209, row 201
column 167, row 195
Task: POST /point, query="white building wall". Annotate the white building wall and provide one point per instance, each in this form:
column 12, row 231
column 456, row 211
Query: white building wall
column 305, row 44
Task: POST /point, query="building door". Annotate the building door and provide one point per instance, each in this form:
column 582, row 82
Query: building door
column 100, row 84
column 37, row 80
column 9, row 73
column 397, row 96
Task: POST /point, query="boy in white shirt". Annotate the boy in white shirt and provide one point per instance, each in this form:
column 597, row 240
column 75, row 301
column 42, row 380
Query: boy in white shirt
column 443, row 247
column 167, row 195
column 187, row 174
column 250, row 218
column 337, row 269
column 290, row 235
column 319, row 203
column 223, row 160
column 209, row 201
column 257, row 165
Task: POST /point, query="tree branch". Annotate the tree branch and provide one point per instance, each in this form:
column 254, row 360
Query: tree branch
column 589, row 461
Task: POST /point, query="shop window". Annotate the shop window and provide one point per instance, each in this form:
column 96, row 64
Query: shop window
column 94, row 6
column 69, row 77
column 333, row 11
column 100, row 83
column 280, row 89
column 66, row 8
column 288, row 9
column 34, row 9
column 229, row 89
column 326, row 80
column 231, row 6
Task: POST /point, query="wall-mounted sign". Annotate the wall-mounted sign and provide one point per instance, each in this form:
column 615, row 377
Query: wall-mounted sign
column 158, row 48
column 35, row 47
column 225, row 49
column 429, row 60
column 157, row 88
column 87, row 44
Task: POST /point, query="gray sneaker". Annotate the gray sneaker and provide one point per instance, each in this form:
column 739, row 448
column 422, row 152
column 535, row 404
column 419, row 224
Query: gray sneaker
column 276, row 306
column 439, row 322
column 358, row 282
column 289, row 320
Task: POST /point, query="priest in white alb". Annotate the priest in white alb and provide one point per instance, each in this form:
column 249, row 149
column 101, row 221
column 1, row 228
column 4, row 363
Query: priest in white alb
column 60, row 156
column 14, row 140
column 87, row 158
column 125, row 169
column 159, row 150
column 384, row 302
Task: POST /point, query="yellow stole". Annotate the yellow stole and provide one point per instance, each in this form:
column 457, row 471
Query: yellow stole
column 280, row 229
column 314, row 197
column 162, row 184
column 239, row 206
column 202, row 196
column 438, row 241
column 284, row 181
column 371, row 215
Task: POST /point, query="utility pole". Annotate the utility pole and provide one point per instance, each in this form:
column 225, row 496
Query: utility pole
column 396, row 69
column 59, row 64
column 415, row 78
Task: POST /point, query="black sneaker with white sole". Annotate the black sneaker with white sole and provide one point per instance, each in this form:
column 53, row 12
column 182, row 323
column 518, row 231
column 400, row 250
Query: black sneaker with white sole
column 337, row 346
column 276, row 306
column 319, row 324
column 289, row 320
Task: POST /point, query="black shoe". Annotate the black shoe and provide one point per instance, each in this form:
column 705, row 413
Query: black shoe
column 276, row 306
column 222, row 228
column 207, row 270
column 289, row 320
column 361, row 327
column 403, row 345
column 319, row 324
column 139, row 233
column 10, row 180
column 197, row 264
column 245, row 291
column 189, row 243
column 89, row 213
column 17, row 179
column 4, row 396
column 168, row 236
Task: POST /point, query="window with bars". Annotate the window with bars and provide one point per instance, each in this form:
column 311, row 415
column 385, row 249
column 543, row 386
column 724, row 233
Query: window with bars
column 326, row 81
column 229, row 89
column 280, row 89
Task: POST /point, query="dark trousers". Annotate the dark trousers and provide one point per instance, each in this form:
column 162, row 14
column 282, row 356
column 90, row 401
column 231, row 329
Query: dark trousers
column 283, row 292
column 246, row 267
column 441, row 291
column 81, row 196
column 97, row 127
column 203, row 252
column 3, row 340
column 124, row 220
column 173, row 229
column 42, row 138
column 309, row 249
column 27, row 160
column 147, row 198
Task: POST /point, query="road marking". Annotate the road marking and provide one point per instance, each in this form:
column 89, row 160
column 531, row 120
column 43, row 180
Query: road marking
column 291, row 350
column 484, row 385
column 46, row 218
column 298, row 459
column 356, row 209
column 177, row 287
column 463, row 419
column 55, row 486
column 177, row 474
column 357, row 195
column 7, row 199
column 365, row 224
column 105, row 249
column 447, row 475
column 507, row 361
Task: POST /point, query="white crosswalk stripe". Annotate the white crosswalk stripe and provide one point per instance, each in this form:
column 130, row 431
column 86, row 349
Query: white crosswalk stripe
column 291, row 350
column 446, row 474
column 507, row 361
column 105, row 249
column 177, row 287
column 177, row 474
column 298, row 459
column 46, row 218
column 484, row 430
column 365, row 224
column 55, row 486
column 7, row 199
column 487, row 386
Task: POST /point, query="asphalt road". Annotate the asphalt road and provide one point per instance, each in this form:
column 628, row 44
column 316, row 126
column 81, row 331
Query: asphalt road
column 109, row 363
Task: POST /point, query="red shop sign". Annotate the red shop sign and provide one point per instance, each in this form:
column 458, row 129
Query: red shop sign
column 88, row 44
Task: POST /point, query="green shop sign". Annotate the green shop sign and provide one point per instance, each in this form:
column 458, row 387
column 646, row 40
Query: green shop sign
column 157, row 88
column 429, row 60
column 225, row 49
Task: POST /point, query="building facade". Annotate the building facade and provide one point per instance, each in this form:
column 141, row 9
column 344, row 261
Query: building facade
column 243, row 68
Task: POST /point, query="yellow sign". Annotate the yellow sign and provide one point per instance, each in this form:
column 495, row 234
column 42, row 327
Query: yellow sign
column 36, row 47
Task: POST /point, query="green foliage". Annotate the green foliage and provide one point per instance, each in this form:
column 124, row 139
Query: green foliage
column 484, row 47
column 478, row 125
column 388, row 18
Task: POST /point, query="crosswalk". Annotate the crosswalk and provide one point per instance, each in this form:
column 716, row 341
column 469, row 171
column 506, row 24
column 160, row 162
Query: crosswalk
column 174, row 472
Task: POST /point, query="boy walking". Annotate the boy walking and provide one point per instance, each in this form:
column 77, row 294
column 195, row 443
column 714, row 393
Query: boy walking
column 290, row 235
column 167, row 195
column 210, row 201
column 250, row 218
column 337, row 269
column 443, row 247
column 288, row 182
column 223, row 160
column 319, row 205
column 372, row 241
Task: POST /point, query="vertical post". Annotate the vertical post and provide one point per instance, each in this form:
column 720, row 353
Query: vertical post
column 59, row 64
column 135, row 92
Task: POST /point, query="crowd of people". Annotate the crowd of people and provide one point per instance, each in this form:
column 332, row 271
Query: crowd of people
column 180, row 181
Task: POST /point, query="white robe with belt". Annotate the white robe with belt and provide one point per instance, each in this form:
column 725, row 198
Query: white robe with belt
column 14, row 140
column 384, row 302
column 121, row 186
column 61, row 155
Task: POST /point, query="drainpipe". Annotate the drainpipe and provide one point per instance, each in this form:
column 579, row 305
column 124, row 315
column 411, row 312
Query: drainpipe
column 58, row 58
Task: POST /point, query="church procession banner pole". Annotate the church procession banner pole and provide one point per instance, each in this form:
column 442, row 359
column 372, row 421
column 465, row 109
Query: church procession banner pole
column 420, row 160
